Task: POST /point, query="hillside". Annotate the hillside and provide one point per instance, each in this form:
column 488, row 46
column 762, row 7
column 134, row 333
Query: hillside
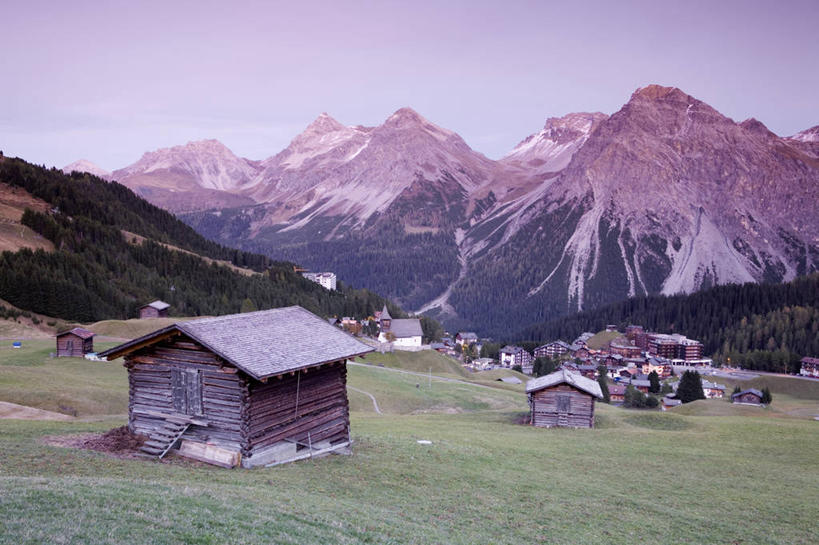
column 97, row 272
column 478, row 481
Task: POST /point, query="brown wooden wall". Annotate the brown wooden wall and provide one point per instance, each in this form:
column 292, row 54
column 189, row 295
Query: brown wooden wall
column 747, row 398
column 157, row 375
column 79, row 346
column 289, row 407
column 545, row 408
column 151, row 312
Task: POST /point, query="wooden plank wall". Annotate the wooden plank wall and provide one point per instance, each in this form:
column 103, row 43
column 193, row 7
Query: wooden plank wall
column 79, row 346
column 322, row 409
column 224, row 390
column 545, row 413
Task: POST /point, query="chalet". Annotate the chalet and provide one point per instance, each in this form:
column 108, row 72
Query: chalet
column 641, row 384
column 466, row 338
column 562, row 399
column 663, row 368
column 588, row 370
column 583, row 338
column 617, row 393
column 751, row 396
column 511, row 356
column 670, row 402
column 712, row 390
column 580, row 352
column 552, row 349
column 75, row 343
column 157, row 309
column 810, row 367
column 254, row 389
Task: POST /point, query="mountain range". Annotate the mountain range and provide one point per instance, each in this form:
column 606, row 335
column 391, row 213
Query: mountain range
column 664, row 196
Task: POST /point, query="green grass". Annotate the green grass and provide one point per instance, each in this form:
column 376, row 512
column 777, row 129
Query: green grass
column 743, row 477
column 133, row 328
column 602, row 339
column 420, row 362
column 75, row 386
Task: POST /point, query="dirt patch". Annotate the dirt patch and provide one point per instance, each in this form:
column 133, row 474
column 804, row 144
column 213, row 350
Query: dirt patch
column 118, row 441
column 23, row 412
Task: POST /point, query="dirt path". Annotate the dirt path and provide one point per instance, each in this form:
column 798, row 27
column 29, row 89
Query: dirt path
column 368, row 394
column 22, row 412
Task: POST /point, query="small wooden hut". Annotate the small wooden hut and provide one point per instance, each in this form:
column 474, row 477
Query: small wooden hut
column 257, row 388
column 751, row 396
column 157, row 309
column 75, row 343
column 563, row 399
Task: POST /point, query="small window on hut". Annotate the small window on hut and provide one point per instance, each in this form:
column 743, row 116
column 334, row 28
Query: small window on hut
column 563, row 404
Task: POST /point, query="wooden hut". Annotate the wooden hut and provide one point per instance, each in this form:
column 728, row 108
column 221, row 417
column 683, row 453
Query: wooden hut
column 563, row 399
column 257, row 388
column 751, row 396
column 75, row 343
column 157, row 309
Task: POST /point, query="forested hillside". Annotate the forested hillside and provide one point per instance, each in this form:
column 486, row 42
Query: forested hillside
column 95, row 273
column 734, row 320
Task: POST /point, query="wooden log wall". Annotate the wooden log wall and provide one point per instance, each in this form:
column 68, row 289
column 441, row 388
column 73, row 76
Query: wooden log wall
column 79, row 346
column 224, row 390
column 545, row 411
column 290, row 407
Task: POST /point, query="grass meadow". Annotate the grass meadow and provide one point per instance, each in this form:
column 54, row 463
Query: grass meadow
column 708, row 474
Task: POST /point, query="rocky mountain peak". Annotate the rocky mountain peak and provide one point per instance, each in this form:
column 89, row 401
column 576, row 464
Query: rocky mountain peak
column 757, row 127
column 656, row 92
column 808, row 135
column 324, row 124
column 84, row 165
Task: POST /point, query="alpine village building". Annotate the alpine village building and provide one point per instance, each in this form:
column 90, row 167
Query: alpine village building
column 254, row 389
column 75, row 343
column 562, row 399
column 405, row 332
column 157, row 309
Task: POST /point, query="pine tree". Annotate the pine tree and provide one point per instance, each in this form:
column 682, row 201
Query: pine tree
column 690, row 388
column 603, row 381
column 654, row 379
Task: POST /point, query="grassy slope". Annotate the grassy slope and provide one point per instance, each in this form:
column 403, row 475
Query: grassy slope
column 483, row 480
column 13, row 234
column 602, row 339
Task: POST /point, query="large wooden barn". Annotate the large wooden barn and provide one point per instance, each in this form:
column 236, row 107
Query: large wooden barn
column 75, row 343
column 258, row 388
column 157, row 309
column 563, row 399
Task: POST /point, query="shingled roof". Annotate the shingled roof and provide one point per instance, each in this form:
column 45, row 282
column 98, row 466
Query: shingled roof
column 158, row 305
column 79, row 332
column 406, row 327
column 563, row 376
column 264, row 343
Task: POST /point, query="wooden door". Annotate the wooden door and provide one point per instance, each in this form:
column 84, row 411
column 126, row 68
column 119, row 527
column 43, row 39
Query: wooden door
column 187, row 391
column 564, row 404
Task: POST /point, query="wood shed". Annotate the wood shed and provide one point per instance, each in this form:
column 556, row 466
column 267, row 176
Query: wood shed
column 156, row 309
column 75, row 343
column 257, row 388
column 562, row 399
column 751, row 396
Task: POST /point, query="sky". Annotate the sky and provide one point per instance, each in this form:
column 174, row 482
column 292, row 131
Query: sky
column 107, row 81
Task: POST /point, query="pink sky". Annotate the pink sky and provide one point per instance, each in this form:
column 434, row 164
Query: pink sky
column 107, row 81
